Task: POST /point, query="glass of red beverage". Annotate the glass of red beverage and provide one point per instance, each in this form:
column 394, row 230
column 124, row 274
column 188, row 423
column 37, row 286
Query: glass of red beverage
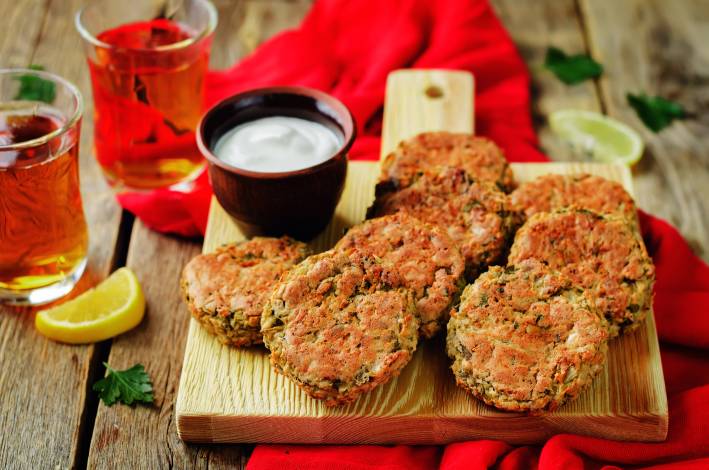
column 43, row 234
column 148, row 60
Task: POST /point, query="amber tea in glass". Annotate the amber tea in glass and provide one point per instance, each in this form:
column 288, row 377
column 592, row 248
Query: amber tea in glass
column 148, row 61
column 43, row 234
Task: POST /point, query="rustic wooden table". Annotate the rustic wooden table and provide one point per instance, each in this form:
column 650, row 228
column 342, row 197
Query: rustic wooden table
column 50, row 418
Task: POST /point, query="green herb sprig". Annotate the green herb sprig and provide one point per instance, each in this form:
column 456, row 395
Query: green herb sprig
column 126, row 386
column 34, row 88
column 571, row 69
column 655, row 112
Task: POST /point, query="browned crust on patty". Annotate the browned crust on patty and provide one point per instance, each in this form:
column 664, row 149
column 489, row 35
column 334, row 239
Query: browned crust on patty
column 424, row 255
column 227, row 289
column 549, row 193
column 524, row 339
column 339, row 324
column 476, row 216
column 480, row 157
column 601, row 253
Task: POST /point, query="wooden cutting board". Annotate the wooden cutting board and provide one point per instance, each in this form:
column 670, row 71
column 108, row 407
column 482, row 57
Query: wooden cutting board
column 230, row 395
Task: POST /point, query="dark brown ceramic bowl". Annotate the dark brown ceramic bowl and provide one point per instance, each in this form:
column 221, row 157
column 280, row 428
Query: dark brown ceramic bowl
column 297, row 203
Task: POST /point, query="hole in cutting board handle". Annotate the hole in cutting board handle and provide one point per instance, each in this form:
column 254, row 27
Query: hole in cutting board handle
column 434, row 92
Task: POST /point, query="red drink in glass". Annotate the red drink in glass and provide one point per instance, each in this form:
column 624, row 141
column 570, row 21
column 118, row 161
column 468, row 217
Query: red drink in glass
column 148, row 86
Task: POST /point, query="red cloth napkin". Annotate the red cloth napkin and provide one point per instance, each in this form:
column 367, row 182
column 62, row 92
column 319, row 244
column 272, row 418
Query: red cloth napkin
column 347, row 48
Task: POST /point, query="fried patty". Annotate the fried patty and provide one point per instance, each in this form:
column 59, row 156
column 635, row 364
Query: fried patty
column 481, row 158
column 478, row 217
column 424, row 255
column 525, row 339
column 339, row 324
column 226, row 290
column 550, row 193
column 602, row 253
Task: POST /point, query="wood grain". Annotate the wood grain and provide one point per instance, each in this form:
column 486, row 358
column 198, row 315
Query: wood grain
column 143, row 436
column 20, row 20
column 444, row 103
column 244, row 24
column 659, row 47
column 233, row 395
column 534, row 26
column 43, row 383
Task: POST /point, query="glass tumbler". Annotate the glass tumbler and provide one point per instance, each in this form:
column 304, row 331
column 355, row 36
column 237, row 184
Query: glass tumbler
column 43, row 234
column 148, row 61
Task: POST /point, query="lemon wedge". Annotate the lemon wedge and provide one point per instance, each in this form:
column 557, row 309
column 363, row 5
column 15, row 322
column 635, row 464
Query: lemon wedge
column 599, row 137
column 112, row 307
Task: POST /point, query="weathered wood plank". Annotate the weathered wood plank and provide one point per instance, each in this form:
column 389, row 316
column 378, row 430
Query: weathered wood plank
column 146, row 437
column 534, row 26
column 227, row 48
column 21, row 23
column 245, row 24
column 660, row 47
column 44, row 384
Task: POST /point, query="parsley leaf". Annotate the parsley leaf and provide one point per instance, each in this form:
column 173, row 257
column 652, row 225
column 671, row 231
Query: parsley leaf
column 33, row 88
column 571, row 69
column 127, row 386
column 655, row 112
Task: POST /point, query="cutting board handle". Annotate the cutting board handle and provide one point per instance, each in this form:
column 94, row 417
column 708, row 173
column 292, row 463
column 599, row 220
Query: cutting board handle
column 426, row 100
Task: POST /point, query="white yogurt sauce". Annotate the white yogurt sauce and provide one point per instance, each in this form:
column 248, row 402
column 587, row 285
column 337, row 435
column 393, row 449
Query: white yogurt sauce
column 277, row 143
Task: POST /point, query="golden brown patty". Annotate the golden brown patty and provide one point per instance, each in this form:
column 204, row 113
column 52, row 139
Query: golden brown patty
column 604, row 254
column 550, row 193
column 476, row 216
column 478, row 156
column 227, row 289
column 425, row 257
column 339, row 324
column 524, row 339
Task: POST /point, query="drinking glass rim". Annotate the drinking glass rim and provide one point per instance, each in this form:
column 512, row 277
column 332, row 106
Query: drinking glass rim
column 206, row 31
column 69, row 124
